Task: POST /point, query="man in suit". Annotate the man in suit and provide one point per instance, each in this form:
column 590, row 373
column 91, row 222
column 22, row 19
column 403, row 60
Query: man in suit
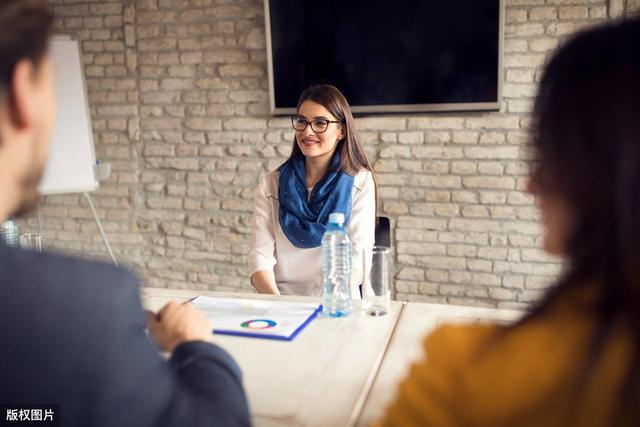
column 72, row 332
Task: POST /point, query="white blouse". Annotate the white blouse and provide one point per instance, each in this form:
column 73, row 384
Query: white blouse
column 298, row 271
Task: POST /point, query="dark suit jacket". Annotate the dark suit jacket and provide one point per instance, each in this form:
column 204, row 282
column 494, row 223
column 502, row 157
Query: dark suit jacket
column 72, row 332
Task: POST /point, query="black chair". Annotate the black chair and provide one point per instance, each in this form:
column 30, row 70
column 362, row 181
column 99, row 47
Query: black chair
column 383, row 231
column 383, row 235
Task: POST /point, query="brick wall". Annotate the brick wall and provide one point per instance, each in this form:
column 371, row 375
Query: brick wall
column 179, row 100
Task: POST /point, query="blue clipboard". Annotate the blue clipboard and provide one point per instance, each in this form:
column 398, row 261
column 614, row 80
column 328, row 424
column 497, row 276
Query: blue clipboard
column 279, row 320
column 272, row 337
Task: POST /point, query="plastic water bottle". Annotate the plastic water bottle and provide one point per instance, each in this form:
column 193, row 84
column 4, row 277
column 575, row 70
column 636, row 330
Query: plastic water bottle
column 9, row 233
column 336, row 268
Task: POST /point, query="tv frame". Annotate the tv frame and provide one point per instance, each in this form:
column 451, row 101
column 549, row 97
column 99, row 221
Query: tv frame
column 395, row 108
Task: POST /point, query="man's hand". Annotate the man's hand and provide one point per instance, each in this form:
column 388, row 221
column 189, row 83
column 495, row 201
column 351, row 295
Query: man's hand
column 178, row 323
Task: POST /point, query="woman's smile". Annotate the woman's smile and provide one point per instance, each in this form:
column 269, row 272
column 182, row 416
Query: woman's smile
column 309, row 141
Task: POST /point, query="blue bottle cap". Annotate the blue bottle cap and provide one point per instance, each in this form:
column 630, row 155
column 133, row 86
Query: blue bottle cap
column 336, row 218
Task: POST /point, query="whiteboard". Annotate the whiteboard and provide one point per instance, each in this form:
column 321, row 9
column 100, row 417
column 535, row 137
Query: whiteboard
column 70, row 166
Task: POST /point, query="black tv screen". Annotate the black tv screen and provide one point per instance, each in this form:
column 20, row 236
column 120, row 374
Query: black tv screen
column 387, row 56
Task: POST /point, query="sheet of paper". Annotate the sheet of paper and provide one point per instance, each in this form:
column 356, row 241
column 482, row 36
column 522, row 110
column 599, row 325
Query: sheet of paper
column 255, row 317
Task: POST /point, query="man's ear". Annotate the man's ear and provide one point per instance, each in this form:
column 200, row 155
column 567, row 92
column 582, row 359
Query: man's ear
column 21, row 100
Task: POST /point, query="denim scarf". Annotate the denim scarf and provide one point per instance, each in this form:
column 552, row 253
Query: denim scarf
column 304, row 220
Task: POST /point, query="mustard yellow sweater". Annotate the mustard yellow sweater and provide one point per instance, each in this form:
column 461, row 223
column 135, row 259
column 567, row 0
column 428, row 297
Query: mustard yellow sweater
column 486, row 376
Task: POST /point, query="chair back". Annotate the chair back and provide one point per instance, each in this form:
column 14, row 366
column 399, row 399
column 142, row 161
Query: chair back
column 383, row 231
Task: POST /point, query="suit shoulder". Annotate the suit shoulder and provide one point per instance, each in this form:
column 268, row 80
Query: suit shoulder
column 56, row 272
column 96, row 272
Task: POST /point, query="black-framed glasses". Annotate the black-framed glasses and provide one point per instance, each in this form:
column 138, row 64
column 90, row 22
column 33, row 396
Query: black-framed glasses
column 317, row 125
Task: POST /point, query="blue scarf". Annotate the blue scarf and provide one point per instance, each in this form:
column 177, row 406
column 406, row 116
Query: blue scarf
column 304, row 220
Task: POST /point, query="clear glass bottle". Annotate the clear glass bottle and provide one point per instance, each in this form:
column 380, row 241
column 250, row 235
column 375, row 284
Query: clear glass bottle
column 9, row 233
column 336, row 268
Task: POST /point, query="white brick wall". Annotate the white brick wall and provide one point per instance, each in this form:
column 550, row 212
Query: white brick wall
column 179, row 99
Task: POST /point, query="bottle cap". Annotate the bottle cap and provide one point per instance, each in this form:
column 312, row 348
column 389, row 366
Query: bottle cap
column 336, row 218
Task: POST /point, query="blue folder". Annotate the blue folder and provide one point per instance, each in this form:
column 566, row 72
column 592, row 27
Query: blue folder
column 231, row 315
column 272, row 337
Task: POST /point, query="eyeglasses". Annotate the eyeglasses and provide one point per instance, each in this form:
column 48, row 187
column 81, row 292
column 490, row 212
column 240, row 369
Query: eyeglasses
column 317, row 125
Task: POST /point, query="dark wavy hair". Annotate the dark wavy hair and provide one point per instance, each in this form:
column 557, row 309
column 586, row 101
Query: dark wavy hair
column 586, row 148
column 25, row 28
column 352, row 156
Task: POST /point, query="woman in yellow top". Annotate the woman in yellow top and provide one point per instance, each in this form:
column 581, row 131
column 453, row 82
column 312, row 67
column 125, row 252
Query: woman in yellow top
column 575, row 358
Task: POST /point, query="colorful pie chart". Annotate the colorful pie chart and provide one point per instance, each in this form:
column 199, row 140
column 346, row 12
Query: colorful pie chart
column 258, row 324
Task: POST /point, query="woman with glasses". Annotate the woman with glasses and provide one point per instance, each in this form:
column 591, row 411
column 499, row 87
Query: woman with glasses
column 574, row 359
column 326, row 172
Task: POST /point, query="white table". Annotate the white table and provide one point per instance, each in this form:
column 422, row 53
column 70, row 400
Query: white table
column 322, row 378
column 337, row 372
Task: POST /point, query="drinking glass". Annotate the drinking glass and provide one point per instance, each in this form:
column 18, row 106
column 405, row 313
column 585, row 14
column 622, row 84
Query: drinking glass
column 31, row 241
column 376, row 294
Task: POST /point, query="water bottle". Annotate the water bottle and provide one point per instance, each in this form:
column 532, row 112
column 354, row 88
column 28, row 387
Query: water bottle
column 336, row 268
column 9, row 233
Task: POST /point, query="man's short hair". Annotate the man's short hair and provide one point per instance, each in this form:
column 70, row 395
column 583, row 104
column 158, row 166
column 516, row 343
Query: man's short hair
column 25, row 27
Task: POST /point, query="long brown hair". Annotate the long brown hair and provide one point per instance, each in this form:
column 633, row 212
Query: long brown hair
column 586, row 144
column 352, row 156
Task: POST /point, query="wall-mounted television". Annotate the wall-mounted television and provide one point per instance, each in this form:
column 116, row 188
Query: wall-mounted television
column 387, row 56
